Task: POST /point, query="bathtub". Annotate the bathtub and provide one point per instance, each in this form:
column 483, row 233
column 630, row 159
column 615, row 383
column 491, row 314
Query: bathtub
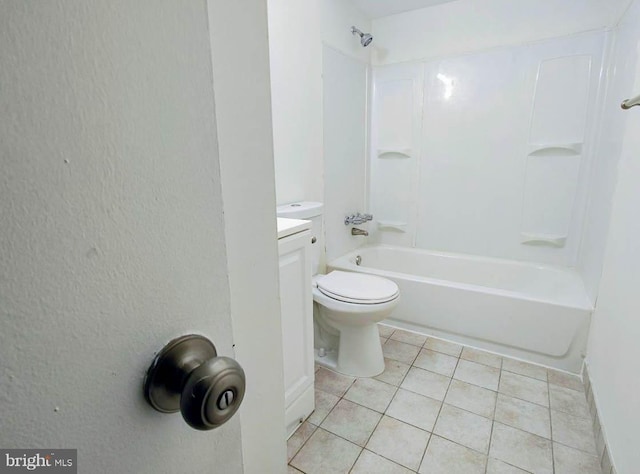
column 539, row 313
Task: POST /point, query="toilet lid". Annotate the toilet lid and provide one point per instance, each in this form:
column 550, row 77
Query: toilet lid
column 357, row 287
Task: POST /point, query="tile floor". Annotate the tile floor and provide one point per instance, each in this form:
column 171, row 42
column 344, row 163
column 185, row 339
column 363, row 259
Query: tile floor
column 443, row 408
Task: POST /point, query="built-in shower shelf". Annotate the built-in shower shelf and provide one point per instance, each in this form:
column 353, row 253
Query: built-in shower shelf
column 550, row 240
column 392, row 225
column 394, row 153
column 555, row 149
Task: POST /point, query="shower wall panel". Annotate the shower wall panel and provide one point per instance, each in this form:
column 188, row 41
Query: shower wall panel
column 495, row 157
column 395, row 152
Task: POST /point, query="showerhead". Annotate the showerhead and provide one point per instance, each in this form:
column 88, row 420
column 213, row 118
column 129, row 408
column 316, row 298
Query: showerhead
column 365, row 38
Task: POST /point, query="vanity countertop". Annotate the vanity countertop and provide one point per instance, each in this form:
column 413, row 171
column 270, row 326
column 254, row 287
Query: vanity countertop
column 287, row 227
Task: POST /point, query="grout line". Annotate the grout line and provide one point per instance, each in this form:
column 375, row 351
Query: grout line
column 397, row 387
column 493, row 420
column 553, row 461
column 337, row 436
column 390, row 401
column 356, row 461
column 576, row 449
column 439, row 412
column 303, row 444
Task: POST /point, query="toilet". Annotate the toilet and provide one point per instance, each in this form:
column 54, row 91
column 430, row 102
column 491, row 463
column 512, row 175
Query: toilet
column 347, row 306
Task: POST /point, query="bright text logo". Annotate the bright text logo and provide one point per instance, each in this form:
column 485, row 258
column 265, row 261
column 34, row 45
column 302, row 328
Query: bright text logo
column 46, row 461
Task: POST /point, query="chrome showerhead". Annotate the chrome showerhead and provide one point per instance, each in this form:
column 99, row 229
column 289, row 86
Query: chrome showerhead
column 365, row 38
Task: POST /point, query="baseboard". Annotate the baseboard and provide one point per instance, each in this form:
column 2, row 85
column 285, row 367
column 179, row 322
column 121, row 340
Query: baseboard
column 602, row 447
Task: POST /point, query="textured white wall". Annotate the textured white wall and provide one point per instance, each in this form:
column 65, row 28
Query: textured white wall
column 613, row 354
column 345, row 124
column 296, row 84
column 111, row 228
column 242, row 95
column 475, row 25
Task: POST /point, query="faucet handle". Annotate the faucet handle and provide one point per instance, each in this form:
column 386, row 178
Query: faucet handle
column 357, row 219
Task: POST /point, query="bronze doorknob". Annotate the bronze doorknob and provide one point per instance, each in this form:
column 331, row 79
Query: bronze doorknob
column 187, row 375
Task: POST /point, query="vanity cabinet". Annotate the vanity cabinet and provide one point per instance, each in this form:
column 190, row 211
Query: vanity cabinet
column 297, row 322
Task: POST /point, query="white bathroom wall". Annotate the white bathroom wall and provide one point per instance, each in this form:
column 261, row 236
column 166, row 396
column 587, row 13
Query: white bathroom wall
column 345, row 72
column 476, row 25
column 337, row 18
column 486, row 153
column 613, row 354
column 295, row 50
column 345, row 123
column 297, row 31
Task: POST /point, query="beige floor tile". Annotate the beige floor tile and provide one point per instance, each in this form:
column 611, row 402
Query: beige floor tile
column 400, row 351
column 481, row 357
column 297, row 439
column 394, row 372
column 568, row 401
column 324, row 404
column 371, row 393
column 525, row 388
column 477, row 374
column 445, row 457
column 573, row 431
column 471, row 398
column 436, row 362
column 351, row 421
column 463, row 427
column 523, row 415
column 382, row 340
column 446, row 347
column 571, row 461
column 333, row 383
column 565, row 380
column 524, row 450
column 495, row 466
column 524, row 368
column 399, row 442
column 385, row 331
column 326, row 453
column 293, row 470
column 408, row 337
column 426, row 383
column 414, row 409
column 371, row 463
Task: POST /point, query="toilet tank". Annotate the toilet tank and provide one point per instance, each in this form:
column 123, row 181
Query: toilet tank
column 311, row 211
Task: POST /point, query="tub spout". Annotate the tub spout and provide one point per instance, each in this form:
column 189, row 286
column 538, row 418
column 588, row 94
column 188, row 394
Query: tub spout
column 356, row 231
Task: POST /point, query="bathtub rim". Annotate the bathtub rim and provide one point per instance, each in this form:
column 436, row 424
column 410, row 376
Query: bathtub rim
column 344, row 263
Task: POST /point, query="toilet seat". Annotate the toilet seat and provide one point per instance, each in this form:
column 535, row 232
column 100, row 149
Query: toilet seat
column 357, row 288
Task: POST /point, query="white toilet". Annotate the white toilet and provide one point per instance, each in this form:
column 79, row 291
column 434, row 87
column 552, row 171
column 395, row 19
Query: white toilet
column 347, row 307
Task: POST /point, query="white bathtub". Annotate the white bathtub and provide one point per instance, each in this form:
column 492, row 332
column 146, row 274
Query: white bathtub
column 534, row 312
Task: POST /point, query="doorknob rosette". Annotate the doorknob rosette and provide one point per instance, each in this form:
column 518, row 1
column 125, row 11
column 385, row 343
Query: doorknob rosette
column 188, row 376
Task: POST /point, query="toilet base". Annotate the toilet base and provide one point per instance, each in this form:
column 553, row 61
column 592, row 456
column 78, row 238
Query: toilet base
column 359, row 353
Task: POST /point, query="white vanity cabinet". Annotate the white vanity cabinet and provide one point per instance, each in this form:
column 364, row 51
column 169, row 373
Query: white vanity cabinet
column 294, row 245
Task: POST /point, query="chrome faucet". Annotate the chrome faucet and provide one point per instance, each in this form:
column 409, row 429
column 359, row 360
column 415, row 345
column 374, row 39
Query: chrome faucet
column 356, row 231
column 357, row 219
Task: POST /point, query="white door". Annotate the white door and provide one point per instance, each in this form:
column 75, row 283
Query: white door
column 111, row 229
